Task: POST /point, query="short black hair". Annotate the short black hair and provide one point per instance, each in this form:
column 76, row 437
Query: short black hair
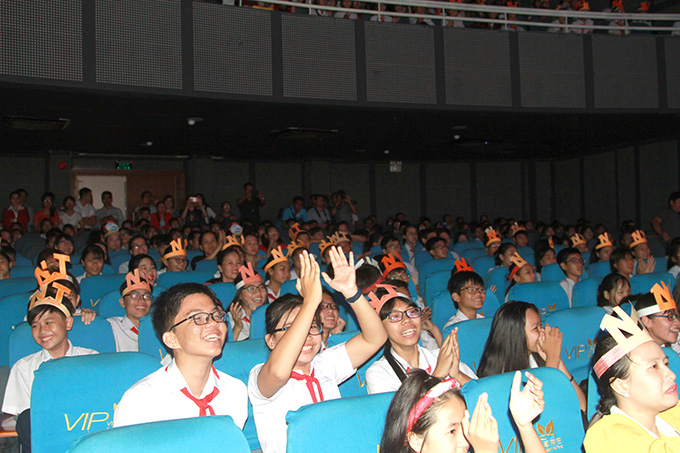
column 277, row 310
column 84, row 191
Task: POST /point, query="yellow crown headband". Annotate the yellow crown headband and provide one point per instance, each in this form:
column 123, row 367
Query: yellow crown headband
column 325, row 243
column 391, row 262
column 339, row 237
column 177, row 248
column 518, row 261
column 639, row 237
column 516, row 228
column 664, row 300
column 234, row 241
column 615, row 326
column 40, row 298
column 492, row 236
column 277, row 253
column 294, row 231
column 133, row 281
column 378, row 303
column 577, row 239
column 248, row 276
column 45, row 277
column 462, row 265
column 604, row 241
column 551, row 243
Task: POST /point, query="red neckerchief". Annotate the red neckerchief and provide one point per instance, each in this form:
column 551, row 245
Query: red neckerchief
column 310, row 381
column 203, row 403
column 135, row 330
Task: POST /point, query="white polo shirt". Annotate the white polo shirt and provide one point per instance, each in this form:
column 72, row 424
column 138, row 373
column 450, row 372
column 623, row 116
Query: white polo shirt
column 125, row 334
column 18, row 391
column 568, row 286
column 381, row 378
column 459, row 317
column 159, row 397
column 245, row 331
column 331, row 367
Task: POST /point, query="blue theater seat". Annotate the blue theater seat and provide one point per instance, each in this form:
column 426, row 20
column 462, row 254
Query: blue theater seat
column 225, row 291
column 22, row 271
column 17, row 285
column 257, row 324
column 443, row 308
column 13, row 309
column 207, row 266
column 559, row 426
column 552, row 273
column 345, row 425
column 472, row 336
column 460, row 247
column 149, row 343
column 356, row 385
column 168, row 279
column 585, row 292
column 60, row 415
column 640, row 284
column 473, row 253
column 431, row 267
column 193, row 434
column 93, row 289
column 483, row 265
column 599, row 269
column 435, row 282
column 237, row 359
column 122, row 257
column 547, row 296
column 288, row 287
column 97, row 335
column 498, row 277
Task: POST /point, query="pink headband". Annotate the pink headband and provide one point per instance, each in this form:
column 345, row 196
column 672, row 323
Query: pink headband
column 248, row 276
column 427, row 400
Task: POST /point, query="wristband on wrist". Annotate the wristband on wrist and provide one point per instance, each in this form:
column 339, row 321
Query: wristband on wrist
column 355, row 297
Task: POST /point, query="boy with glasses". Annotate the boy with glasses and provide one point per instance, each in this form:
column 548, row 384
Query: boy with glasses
column 467, row 292
column 191, row 323
column 571, row 263
column 135, row 298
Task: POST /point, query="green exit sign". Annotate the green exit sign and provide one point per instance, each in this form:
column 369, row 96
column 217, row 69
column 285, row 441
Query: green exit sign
column 123, row 165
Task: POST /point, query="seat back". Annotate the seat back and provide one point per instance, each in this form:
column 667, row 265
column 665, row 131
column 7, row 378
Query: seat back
column 58, row 417
column 436, row 282
column 473, row 253
column 168, row 279
column 472, row 336
column 149, row 343
column 547, row 296
column 660, row 264
column 237, row 359
column 207, row 266
column 17, row 285
column 93, row 289
column 431, row 267
column 22, row 271
column 122, row 257
column 559, row 426
column 97, row 335
column 585, row 292
column 288, row 287
column 460, row 247
column 599, row 269
column 110, row 305
column 257, row 322
column 483, row 265
column 356, row 385
column 552, row 273
column 579, row 328
column 13, row 309
column 345, row 425
column 226, row 291
column 499, row 278
column 171, row 435
column 640, row 284
column 443, row 307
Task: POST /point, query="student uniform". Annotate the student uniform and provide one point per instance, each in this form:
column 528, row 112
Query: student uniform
column 380, row 377
column 568, row 286
column 328, row 369
column 271, row 295
column 245, row 331
column 459, row 317
column 18, row 391
column 621, row 433
column 164, row 395
column 125, row 334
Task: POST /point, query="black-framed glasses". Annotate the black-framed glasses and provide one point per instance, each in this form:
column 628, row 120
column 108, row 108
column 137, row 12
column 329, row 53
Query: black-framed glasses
column 137, row 296
column 398, row 315
column 473, row 290
column 672, row 317
column 314, row 329
column 328, row 306
column 203, row 318
column 252, row 289
column 576, row 260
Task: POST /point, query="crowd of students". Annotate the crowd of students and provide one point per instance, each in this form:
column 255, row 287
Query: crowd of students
column 379, row 288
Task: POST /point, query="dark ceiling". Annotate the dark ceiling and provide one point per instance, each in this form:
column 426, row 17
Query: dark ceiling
column 117, row 123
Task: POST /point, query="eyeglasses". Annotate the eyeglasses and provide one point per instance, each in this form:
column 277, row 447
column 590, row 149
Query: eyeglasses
column 328, row 306
column 179, row 259
column 672, row 317
column 472, row 290
column 397, row 315
column 203, row 318
column 576, row 260
column 252, row 289
column 137, row 296
column 394, row 246
column 314, row 329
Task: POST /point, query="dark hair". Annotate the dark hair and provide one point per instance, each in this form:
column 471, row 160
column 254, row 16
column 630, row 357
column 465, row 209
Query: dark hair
column 619, row 370
column 278, row 309
column 564, row 255
column 387, row 350
column 394, row 438
column 84, row 191
column 459, row 279
column 541, row 247
column 123, row 285
column 94, row 250
column 386, row 240
column 136, row 260
column 168, row 304
column 609, row 284
column 5, row 255
column 618, row 255
column 432, row 242
column 501, row 250
column 672, row 197
column 644, row 301
column 39, row 310
column 672, row 252
column 366, row 275
column 506, row 348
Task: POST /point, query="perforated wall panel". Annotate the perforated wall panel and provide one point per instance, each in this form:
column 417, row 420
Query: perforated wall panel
column 51, row 51
column 625, row 72
column 397, row 192
column 232, row 50
column 673, row 71
column 494, row 179
column 400, row 63
column 471, row 80
column 551, row 70
column 319, row 60
column 658, row 176
column 139, row 43
column 567, row 190
column 448, row 189
column 600, row 187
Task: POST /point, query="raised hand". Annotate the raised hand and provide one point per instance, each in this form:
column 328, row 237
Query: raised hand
column 308, row 283
column 527, row 404
column 550, row 345
column 344, row 280
column 445, row 359
column 482, row 429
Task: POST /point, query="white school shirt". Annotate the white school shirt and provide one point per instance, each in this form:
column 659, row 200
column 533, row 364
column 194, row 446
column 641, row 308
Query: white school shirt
column 159, row 397
column 245, row 332
column 381, row 378
column 568, row 286
column 18, row 391
column 125, row 333
column 459, row 317
column 331, row 367
column 674, row 271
